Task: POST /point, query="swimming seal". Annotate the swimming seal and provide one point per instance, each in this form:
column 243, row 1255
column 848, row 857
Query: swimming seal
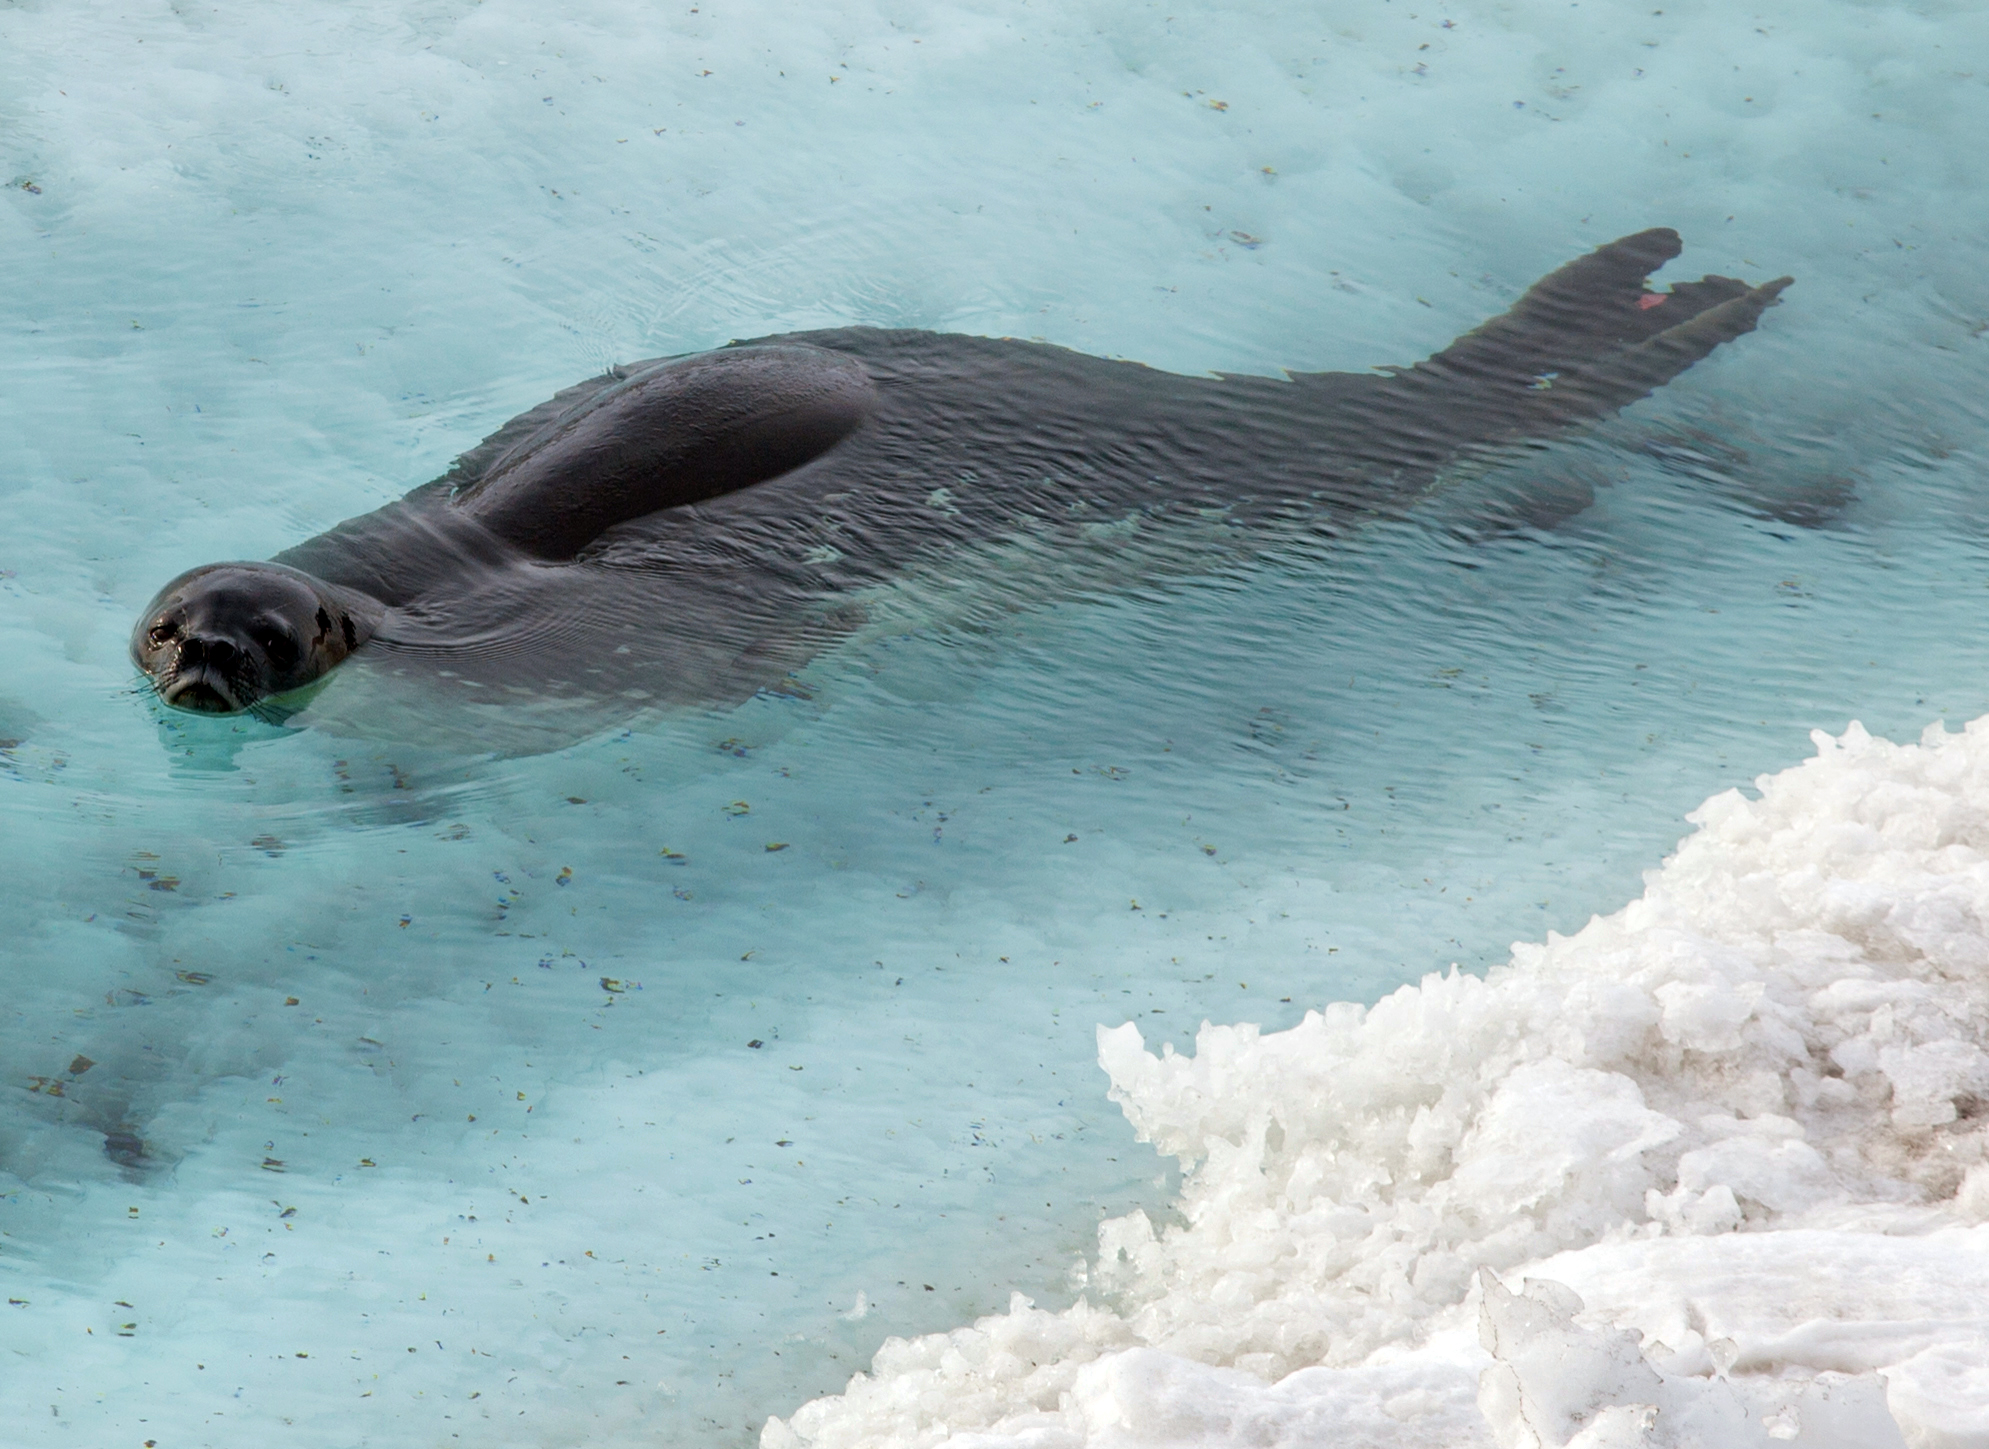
column 689, row 529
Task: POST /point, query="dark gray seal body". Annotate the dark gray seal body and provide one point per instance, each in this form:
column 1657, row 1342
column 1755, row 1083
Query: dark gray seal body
column 689, row 530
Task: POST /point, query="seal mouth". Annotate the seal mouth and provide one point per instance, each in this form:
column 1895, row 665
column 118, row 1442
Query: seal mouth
column 201, row 693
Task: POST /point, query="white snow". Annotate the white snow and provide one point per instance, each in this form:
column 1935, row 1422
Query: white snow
column 1710, row 1171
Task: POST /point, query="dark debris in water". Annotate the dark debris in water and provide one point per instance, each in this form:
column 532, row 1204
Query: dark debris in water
column 125, row 1147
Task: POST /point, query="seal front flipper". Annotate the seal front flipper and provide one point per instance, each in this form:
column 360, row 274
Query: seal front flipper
column 672, row 434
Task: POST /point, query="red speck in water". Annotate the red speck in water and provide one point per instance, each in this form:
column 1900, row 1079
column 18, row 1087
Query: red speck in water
column 1649, row 300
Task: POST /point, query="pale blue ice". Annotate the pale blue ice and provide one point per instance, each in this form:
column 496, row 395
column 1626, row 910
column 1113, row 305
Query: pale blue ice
column 540, row 1101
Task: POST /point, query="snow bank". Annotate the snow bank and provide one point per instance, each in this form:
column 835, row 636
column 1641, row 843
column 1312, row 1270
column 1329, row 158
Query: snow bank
column 1709, row 1171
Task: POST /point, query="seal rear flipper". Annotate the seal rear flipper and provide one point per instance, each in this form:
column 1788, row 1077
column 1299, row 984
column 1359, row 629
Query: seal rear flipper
column 1582, row 343
column 674, row 434
column 1578, row 315
column 1621, row 378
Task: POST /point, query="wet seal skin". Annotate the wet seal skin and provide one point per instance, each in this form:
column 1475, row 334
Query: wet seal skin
column 689, row 530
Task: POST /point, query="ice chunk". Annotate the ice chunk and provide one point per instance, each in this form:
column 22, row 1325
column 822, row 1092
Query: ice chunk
column 1558, row 1385
column 1728, row 1137
column 1555, row 1380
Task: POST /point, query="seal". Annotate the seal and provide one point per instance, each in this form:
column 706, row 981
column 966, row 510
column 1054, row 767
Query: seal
column 691, row 529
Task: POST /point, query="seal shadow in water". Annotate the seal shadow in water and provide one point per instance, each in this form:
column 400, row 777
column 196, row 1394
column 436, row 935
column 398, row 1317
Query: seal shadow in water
column 688, row 531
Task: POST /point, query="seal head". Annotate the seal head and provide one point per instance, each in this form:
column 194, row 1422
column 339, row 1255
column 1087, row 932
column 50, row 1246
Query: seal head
column 220, row 638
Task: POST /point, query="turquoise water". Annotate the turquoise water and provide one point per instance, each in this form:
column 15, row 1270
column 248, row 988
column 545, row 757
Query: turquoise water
column 509, row 1167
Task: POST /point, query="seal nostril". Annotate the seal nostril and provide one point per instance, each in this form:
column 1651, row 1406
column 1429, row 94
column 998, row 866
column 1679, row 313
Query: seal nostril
column 220, row 652
column 193, row 652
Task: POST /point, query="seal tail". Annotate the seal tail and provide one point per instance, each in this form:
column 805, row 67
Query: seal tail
column 1586, row 341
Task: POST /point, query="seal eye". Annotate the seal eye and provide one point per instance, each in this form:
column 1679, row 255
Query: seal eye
column 163, row 632
column 278, row 647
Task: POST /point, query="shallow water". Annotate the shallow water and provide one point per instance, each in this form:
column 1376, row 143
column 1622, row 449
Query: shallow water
column 269, row 269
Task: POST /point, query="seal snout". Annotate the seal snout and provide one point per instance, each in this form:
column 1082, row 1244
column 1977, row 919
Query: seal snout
column 202, row 675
